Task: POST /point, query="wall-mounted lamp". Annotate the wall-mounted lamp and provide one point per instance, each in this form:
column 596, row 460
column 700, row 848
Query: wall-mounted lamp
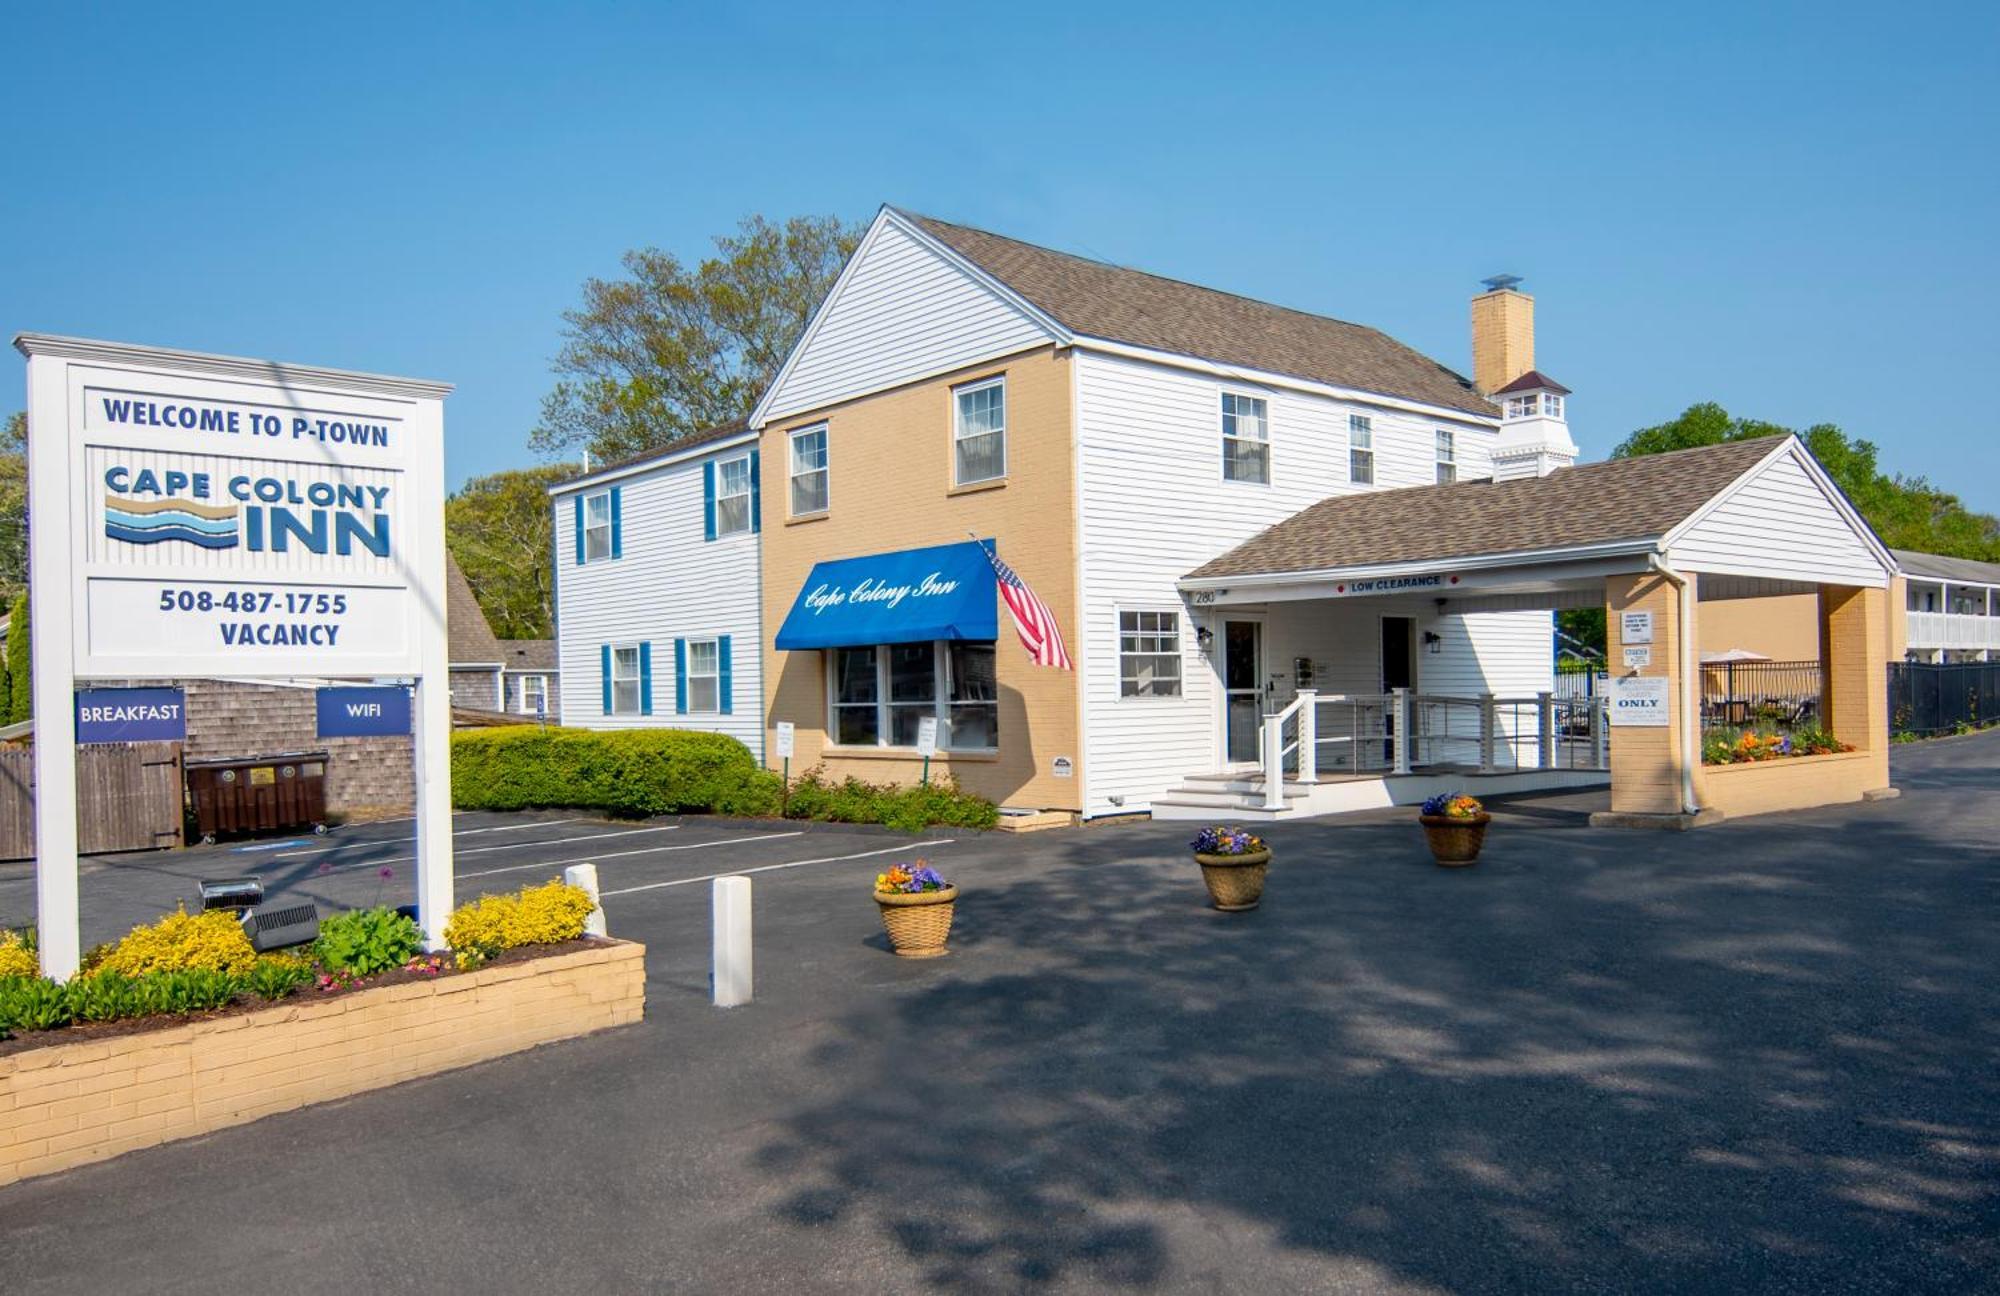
column 1204, row 638
column 1433, row 642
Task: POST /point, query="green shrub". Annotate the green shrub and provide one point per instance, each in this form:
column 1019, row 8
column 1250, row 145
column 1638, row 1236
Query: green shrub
column 852, row 800
column 363, row 942
column 212, row 939
column 17, row 956
column 278, row 975
column 33, row 1003
column 638, row 772
column 107, row 996
column 543, row 915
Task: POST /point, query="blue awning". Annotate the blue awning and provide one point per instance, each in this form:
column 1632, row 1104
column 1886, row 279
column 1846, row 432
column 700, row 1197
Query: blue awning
column 944, row 592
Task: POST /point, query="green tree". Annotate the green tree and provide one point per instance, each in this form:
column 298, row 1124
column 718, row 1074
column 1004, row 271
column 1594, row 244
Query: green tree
column 1906, row 512
column 672, row 349
column 13, row 505
column 21, row 697
column 498, row 528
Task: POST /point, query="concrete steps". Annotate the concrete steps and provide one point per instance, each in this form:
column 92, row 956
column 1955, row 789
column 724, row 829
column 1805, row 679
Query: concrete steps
column 1226, row 795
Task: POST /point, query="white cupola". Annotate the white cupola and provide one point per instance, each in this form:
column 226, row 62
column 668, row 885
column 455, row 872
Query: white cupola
column 1534, row 437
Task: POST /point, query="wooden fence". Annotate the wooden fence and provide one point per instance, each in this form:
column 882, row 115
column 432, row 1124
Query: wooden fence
column 128, row 797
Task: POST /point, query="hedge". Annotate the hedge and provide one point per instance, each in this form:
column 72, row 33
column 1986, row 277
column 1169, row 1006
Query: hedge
column 851, row 800
column 639, row 772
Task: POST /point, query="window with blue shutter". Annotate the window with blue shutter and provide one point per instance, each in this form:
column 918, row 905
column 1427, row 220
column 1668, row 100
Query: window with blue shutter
column 646, row 677
column 617, row 522
column 708, row 499
column 680, row 677
column 606, row 660
column 724, row 679
column 579, row 534
column 756, row 508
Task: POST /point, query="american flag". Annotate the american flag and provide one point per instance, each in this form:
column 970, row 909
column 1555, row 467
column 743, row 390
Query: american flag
column 1033, row 621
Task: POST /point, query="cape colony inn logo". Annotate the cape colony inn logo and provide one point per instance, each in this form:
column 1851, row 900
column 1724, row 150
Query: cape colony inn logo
column 149, row 506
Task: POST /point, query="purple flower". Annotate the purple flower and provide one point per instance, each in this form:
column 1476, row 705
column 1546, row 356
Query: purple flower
column 386, row 873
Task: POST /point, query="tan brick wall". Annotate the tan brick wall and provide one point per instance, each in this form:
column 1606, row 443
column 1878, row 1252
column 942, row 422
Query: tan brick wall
column 65, row 1105
column 1854, row 624
column 1797, row 783
column 890, row 488
column 1785, row 628
column 1645, row 762
column 1503, row 338
column 1899, row 619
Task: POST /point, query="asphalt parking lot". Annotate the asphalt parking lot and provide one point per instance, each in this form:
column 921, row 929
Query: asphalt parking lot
column 1759, row 1057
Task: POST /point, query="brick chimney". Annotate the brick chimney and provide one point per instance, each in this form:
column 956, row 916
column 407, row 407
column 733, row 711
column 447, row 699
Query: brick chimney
column 1503, row 334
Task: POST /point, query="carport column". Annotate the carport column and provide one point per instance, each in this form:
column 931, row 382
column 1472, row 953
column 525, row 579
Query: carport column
column 1854, row 642
column 1646, row 760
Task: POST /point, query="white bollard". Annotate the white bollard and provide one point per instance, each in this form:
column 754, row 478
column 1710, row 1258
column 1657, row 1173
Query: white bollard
column 730, row 979
column 584, row 878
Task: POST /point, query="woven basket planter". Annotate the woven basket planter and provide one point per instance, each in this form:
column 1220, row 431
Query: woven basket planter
column 1455, row 842
column 917, row 922
column 1235, row 882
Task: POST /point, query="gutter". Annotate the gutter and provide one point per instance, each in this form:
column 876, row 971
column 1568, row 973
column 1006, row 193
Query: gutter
column 1690, row 719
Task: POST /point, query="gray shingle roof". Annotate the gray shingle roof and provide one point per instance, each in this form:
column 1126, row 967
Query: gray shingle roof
column 471, row 639
column 1939, row 567
column 1598, row 503
column 529, row 654
column 720, row 432
column 1110, row 302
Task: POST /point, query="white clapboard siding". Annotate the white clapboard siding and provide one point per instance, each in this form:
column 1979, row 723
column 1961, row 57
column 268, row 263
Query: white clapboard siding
column 901, row 312
column 1782, row 524
column 1153, row 507
column 668, row 583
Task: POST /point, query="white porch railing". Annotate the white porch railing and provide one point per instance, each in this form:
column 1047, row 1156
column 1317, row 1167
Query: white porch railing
column 1401, row 731
column 1953, row 630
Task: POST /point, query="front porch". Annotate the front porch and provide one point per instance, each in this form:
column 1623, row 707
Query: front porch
column 1342, row 753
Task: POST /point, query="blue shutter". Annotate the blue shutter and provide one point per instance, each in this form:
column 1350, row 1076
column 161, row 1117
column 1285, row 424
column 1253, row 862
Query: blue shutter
column 680, row 677
column 756, row 502
column 708, row 499
column 722, row 667
column 607, row 678
column 579, row 530
column 617, row 524
column 646, row 677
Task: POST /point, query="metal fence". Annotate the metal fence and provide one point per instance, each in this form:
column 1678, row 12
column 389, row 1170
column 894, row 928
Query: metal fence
column 1760, row 694
column 1927, row 699
column 1581, row 680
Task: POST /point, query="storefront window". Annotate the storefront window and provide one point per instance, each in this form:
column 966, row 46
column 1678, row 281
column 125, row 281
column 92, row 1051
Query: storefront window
column 881, row 695
column 855, row 722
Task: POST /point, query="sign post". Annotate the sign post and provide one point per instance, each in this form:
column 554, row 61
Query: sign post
column 787, row 740
column 198, row 515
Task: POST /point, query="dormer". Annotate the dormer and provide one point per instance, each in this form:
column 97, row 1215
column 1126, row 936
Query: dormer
column 1534, row 437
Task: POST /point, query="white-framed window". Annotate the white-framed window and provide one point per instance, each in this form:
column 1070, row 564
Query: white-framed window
column 534, row 694
column 1149, row 654
column 1447, row 455
column 808, row 471
column 597, row 526
column 1361, row 449
column 979, row 431
column 1521, row 406
column 625, row 679
column 1552, row 405
column 732, row 496
column 704, row 677
column 1246, row 439
column 879, row 694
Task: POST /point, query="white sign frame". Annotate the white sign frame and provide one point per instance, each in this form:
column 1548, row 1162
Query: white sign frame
column 1635, row 627
column 69, row 562
column 1640, row 701
column 787, row 739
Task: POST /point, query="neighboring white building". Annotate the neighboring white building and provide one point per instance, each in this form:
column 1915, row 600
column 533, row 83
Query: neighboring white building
column 1952, row 608
column 656, row 580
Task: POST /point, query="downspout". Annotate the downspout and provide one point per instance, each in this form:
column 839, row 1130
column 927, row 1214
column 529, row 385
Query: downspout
column 1690, row 717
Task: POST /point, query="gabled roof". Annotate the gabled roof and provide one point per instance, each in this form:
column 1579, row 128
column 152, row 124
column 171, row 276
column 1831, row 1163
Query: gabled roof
column 1939, row 567
column 1114, row 304
column 471, row 639
column 1533, row 380
column 1588, row 504
column 529, row 654
column 678, row 446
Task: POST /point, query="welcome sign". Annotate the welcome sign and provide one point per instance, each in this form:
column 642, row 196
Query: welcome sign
column 240, row 527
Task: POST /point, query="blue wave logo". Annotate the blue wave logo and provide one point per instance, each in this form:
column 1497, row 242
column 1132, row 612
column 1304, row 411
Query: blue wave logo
column 211, row 526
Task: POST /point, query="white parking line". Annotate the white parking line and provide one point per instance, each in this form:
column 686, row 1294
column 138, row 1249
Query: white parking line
column 487, row 850
column 399, row 841
column 766, row 868
column 539, row 823
column 650, row 850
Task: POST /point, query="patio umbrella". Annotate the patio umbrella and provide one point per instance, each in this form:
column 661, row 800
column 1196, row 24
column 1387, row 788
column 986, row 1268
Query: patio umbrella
column 1729, row 655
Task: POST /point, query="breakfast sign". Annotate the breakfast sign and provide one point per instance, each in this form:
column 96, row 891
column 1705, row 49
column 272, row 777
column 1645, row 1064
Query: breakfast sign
column 195, row 515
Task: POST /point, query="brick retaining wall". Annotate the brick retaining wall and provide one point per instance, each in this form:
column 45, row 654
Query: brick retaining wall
column 68, row 1104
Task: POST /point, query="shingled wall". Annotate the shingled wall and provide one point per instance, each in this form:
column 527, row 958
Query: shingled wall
column 365, row 777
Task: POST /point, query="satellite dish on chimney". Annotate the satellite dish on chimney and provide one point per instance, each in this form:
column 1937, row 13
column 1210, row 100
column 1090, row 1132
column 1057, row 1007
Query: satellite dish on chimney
column 1500, row 282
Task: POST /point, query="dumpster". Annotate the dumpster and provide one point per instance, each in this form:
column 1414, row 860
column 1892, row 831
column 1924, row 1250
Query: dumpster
column 246, row 794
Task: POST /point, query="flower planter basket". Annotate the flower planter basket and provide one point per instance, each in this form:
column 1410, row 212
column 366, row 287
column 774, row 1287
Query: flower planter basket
column 917, row 922
column 1455, row 842
column 1235, row 882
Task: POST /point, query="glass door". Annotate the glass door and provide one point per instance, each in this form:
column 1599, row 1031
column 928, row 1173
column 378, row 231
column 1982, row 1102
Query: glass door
column 1243, row 694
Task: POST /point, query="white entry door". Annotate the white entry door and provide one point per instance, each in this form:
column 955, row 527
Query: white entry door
column 1242, row 689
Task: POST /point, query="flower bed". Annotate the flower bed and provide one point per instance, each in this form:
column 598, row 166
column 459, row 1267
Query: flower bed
column 1750, row 746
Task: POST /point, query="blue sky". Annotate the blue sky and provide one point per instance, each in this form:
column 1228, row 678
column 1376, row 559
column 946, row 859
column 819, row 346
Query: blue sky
column 1788, row 209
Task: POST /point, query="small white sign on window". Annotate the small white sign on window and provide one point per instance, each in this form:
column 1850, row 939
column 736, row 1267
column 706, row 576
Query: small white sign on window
column 1639, row 700
column 1635, row 627
column 927, row 736
column 786, row 735
column 1638, row 657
